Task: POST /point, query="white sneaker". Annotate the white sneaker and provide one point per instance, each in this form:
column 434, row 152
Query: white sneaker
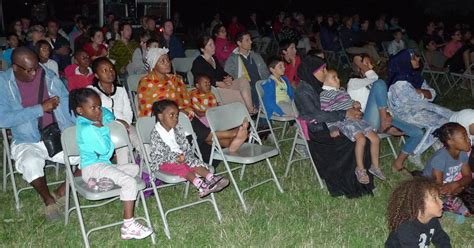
column 135, row 231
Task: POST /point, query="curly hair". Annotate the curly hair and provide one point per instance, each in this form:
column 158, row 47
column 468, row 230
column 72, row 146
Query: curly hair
column 408, row 200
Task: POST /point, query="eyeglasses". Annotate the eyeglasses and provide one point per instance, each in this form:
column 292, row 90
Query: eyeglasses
column 29, row 71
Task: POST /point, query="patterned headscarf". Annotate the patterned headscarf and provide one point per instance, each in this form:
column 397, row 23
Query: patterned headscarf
column 400, row 69
column 153, row 55
column 309, row 65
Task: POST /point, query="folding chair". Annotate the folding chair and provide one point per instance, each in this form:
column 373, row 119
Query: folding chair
column 75, row 185
column 300, row 139
column 387, row 137
column 230, row 116
column 184, row 65
column 263, row 113
column 458, row 78
column 343, row 54
column 132, row 89
column 10, row 171
column 145, row 126
column 192, row 53
column 434, row 75
column 385, row 48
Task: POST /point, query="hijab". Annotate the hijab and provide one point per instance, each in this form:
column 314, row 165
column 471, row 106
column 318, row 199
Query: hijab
column 153, row 55
column 400, row 69
column 308, row 66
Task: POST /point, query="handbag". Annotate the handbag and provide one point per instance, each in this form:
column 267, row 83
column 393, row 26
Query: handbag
column 51, row 134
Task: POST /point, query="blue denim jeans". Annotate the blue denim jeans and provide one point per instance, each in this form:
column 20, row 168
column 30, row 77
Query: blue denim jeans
column 377, row 100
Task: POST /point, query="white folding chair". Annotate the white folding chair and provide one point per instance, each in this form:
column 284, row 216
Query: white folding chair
column 192, row 53
column 184, row 65
column 9, row 171
column 230, row 116
column 458, row 78
column 75, row 185
column 145, row 126
column 434, row 75
column 387, row 137
column 262, row 113
column 132, row 89
column 299, row 139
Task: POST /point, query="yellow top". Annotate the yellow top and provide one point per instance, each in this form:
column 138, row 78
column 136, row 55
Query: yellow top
column 281, row 90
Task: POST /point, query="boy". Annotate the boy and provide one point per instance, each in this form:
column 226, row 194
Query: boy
column 13, row 42
column 278, row 94
column 397, row 44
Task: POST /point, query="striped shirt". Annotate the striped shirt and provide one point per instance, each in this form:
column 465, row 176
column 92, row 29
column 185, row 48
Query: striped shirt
column 332, row 100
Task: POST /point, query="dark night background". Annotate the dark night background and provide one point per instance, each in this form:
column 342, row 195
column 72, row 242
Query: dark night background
column 413, row 14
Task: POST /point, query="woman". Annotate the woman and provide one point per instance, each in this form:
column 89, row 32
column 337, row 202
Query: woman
column 328, row 35
column 223, row 46
column 410, row 98
column 138, row 64
column 35, row 34
column 229, row 90
column 334, row 157
column 16, row 28
column 95, row 48
column 371, row 92
column 292, row 60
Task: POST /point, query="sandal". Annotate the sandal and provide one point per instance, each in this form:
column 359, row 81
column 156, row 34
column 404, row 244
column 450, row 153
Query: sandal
column 377, row 172
column 362, row 176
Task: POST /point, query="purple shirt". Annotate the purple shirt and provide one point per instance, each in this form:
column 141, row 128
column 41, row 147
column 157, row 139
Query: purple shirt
column 29, row 95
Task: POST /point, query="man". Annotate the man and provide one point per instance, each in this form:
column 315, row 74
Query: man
column 122, row 50
column 61, row 47
column 21, row 111
column 243, row 62
column 170, row 41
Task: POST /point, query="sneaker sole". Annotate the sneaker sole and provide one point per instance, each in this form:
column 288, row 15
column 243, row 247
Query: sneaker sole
column 222, row 184
column 377, row 176
column 128, row 237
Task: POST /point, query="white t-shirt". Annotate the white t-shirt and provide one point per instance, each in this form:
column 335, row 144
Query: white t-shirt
column 464, row 117
column 359, row 88
column 119, row 103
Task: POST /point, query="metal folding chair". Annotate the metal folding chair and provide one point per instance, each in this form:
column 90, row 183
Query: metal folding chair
column 75, row 185
column 299, row 139
column 434, row 75
column 10, row 171
column 145, row 126
column 230, row 116
column 132, row 89
column 184, row 65
column 262, row 113
column 192, row 53
column 458, row 78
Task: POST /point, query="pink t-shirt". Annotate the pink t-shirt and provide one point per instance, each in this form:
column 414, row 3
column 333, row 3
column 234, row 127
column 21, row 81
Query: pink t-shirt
column 29, row 94
column 451, row 48
column 223, row 49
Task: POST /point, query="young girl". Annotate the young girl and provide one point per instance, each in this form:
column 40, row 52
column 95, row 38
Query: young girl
column 412, row 214
column 114, row 97
column 171, row 152
column 450, row 169
column 332, row 99
column 13, row 42
column 278, row 93
column 44, row 50
column 202, row 98
column 79, row 75
column 96, row 149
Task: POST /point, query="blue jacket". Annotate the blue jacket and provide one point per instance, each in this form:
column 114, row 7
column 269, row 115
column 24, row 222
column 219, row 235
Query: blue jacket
column 95, row 144
column 175, row 46
column 24, row 121
column 269, row 96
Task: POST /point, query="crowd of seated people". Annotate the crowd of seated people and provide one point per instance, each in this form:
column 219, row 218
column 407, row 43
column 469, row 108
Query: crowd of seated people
column 338, row 122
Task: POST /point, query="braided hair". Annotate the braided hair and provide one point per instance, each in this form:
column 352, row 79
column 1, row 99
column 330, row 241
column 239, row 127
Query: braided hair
column 446, row 131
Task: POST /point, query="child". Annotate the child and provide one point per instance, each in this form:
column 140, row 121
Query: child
column 171, row 152
column 114, row 97
column 44, row 50
column 13, row 42
column 79, row 75
column 334, row 98
column 397, row 44
column 202, row 98
column 449, row 167
column 278, row 93
column 412, row 214
column 96, row 149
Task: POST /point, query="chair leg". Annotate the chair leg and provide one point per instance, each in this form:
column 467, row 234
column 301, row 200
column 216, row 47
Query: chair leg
column 237, row 190
column 5, row 175
column 186, row 190
column 394, row 152
column 66, row 207
column 284, row 130
column 292, row 152
column 12, row 179
column 274, row 176
column 57, row 170
column 216, row 209
column 79, row 217
column 147, row 216
column 162, row 213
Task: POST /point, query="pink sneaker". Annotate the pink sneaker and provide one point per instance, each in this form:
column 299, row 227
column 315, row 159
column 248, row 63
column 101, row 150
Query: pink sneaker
column 135, row 231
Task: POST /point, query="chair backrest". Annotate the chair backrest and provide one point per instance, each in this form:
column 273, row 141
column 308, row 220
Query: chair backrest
column 191, row 53
column 260, row 93
column 227, row 116
column 145, row 126
column 133, row 81
column 188, row 130
column 182, row 64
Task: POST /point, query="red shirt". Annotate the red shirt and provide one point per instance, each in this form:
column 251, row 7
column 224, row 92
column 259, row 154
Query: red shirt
column 291, row 71
column 76, row 80
column 92, row 52
column 234, row 29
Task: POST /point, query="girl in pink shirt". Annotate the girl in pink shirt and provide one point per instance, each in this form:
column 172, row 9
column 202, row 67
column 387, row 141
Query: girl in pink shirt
column 223, row 46
column 453, row 45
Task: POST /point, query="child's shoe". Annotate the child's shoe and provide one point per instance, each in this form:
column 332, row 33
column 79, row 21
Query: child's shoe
column 362, row 176
column 377, row 172
column 52, row 212
column 135, row 231
column 217, row 183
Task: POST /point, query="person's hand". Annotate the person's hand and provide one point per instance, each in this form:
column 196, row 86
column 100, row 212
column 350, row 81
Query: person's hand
column 368, row 62
column 180, row 158
column 50, row 104
column 190, row 114
column 228, row 80
column 353, row 114
column 221, row 84
column 334, row 133
column 356, row 105
column 357, row 60
column 451, row 189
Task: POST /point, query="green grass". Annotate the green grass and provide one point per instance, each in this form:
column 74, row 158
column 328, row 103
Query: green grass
column 303, row 216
